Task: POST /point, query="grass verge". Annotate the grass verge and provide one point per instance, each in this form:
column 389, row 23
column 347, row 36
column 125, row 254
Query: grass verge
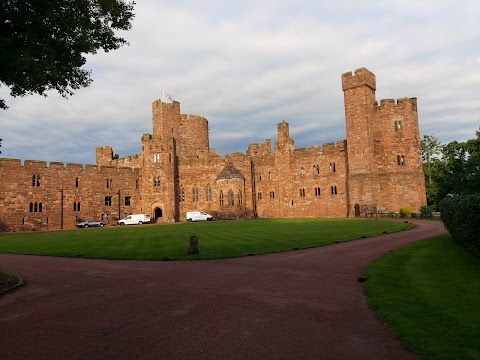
column 218, row 239
column 428, row 293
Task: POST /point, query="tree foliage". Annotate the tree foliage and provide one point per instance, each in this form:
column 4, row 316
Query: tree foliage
column 451, row 169
column 43, row 43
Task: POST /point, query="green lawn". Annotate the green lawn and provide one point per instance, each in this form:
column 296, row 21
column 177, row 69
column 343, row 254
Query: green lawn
column 429, row 294
column 217, row 239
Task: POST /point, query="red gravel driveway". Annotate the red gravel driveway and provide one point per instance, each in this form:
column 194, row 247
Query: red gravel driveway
column 304, row 304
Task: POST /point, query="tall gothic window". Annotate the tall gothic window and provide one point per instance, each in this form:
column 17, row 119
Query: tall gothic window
column 208, row 193
column 231, row 201
column 181, row 194
column 221, row 198
column 195, row 194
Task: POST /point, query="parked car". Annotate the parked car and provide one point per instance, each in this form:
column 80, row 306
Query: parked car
column 198, row 216
column 135, row 219
column 90, row 223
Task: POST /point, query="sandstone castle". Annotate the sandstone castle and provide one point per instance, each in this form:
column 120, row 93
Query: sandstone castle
column 376, row 169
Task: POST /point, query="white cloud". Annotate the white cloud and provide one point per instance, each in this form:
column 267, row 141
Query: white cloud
column 247, row 66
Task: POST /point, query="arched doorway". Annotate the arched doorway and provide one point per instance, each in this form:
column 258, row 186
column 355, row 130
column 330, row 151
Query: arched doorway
column 357, row 210
column 157, row 214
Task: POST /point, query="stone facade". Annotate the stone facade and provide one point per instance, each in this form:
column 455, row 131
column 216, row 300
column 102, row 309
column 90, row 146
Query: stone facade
column 377, row 168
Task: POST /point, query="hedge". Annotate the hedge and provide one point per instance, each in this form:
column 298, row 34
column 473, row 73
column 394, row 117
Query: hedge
column 461, row 216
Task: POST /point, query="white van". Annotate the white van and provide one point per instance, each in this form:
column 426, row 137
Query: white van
column 198, row 216
column 135, row 219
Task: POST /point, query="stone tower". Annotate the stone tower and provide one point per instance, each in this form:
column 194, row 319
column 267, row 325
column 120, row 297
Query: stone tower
column 383, row 149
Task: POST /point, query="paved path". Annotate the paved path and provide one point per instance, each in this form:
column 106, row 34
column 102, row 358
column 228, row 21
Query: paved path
column 304, row 304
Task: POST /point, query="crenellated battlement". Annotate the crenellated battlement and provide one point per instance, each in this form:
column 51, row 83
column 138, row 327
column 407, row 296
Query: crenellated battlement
column 402, row 103
column 262, row 149
column 42, row 165
column 361, row 77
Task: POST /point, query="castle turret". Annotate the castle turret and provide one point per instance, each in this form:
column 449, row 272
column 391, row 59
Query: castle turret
column 359, row 97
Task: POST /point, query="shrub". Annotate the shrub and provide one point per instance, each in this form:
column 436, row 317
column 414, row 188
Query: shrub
column 461, row 216
column 405, row 211
column 427, row 210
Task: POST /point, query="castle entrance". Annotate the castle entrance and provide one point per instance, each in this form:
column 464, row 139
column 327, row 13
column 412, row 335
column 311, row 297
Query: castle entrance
column 357, row 210
column 157, row 214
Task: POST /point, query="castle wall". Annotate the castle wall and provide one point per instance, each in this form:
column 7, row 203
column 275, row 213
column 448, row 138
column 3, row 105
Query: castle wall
column 59, row 189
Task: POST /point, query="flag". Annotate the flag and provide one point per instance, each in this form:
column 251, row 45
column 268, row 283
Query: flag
column 169, row 97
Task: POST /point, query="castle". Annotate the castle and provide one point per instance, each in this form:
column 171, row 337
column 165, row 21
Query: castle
column 377, row 168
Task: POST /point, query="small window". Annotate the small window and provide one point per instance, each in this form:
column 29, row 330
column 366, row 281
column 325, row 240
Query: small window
column 40, row 207
column 221, row 198
column 108, row 183
column 128, row 200
column 272, row 194
column 231, row 198
column 316, row 169
column 181, row 195
column 156, row 182
column 35, row 209
column 76, row 182
column 38, row 180
column 184, row 130
column 302, row 171
column 34, row 181
column 302, row 192
column 103, row 217
column 398, row 126
column 334, row 190
column 317, row 191
column 74, row 206
column 111, row 184
column 195, row 194
column 240, row 198
column 31, row 207
column 400, row 160
column 136, row 184
column 259, row 196
column 108, row 201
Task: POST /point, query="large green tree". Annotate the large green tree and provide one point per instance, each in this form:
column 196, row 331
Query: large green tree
column 461, row 174
column 433, row 166
column 43, row 43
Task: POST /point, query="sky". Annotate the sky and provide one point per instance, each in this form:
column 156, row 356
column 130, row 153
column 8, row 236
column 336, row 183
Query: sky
column 248, row 65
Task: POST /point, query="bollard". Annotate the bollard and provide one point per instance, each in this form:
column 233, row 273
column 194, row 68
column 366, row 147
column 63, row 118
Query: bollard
column 193, row 248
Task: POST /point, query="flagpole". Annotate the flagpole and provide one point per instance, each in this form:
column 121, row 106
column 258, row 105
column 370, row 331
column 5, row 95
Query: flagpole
column 163, row 94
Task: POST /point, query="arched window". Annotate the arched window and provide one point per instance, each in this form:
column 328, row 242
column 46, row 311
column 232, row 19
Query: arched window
column 31, row 207
column 208, row 193
column 195, row 194
column 76, row 182
column 38, row 180
column 240, row 199
column 136, row 184
column 34, row 181
column 156, row 182
column 74, row 206
column 316, row 169
column 39, row 207
column 221, row 198
column 231, row 201
column 302, row 171
column 108, row 184
column 35, row 209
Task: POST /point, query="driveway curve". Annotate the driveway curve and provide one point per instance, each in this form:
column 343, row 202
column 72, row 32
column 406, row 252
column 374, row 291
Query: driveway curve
column 304, row 304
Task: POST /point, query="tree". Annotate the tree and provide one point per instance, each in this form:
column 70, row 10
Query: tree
column 432, row 166
column 43, row 42
column 462, row 168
